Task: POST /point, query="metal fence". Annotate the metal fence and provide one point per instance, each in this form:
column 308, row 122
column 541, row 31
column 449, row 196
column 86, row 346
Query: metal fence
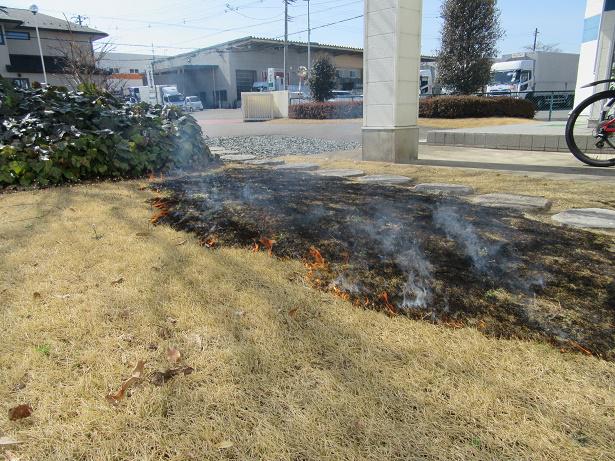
column 357, row 98
column 550, row 105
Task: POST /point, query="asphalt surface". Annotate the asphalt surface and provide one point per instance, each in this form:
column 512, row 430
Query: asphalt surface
column 229, row 123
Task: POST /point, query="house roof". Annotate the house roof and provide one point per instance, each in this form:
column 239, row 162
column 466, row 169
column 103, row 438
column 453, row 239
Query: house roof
column 25, row 19
column 243, row 42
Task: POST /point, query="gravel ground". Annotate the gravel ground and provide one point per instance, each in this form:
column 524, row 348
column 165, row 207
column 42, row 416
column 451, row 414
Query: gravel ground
column 277, row 146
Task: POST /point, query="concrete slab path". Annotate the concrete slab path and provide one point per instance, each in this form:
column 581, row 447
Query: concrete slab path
column 590, row 218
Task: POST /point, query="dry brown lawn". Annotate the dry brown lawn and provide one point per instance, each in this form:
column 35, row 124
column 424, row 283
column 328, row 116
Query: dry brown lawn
column 471, row 122
column 281, row 372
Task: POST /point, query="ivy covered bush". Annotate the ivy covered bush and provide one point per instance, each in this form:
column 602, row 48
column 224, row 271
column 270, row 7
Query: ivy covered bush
column 52, row 136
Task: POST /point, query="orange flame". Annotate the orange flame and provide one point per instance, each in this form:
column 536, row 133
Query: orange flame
column 209, row 242
column 390, row 308
column 158, row 216
column 268, row 244
column 319, row 261
column 341, row 294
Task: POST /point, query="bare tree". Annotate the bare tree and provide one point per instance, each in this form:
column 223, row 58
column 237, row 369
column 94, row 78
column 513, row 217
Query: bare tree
column 546, row 47
column 81, row 62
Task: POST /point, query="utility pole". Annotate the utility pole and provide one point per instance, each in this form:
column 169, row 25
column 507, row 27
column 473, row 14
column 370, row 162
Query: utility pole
column 153, row 82
column 309, row 67
column 79, row 19
column 535, row 39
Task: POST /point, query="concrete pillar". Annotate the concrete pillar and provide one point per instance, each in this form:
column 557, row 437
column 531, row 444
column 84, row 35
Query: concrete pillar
column 597, row 50
column 391, row 73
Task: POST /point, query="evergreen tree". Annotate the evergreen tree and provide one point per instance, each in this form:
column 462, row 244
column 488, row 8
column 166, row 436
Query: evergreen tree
column 322, row 79
column 470, row 32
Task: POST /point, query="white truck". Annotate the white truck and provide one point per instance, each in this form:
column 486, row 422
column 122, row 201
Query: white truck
column 543, row 77
column 160, row 94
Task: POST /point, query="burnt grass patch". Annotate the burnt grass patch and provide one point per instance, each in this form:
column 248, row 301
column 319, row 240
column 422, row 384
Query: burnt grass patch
column 433, row 258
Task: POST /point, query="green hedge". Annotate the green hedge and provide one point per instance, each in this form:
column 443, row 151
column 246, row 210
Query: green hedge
column 327, row 110
column 475, row 106
column 436, row 107
column 52, row 136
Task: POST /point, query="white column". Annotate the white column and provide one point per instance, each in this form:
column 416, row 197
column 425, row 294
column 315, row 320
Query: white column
column 391, row 72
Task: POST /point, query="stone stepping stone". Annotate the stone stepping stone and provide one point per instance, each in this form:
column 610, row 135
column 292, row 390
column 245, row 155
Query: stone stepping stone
column 237, row 158
column 298, row 167
column 516, row 202
column 266, row 162
column 444, row 189
column 341, row 173
column 384, row 179
column 591, row 218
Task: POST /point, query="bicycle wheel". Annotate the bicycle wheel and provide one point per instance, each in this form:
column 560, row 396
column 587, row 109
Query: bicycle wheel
column 590, row 132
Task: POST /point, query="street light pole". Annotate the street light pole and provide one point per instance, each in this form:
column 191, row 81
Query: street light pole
column 34, row 11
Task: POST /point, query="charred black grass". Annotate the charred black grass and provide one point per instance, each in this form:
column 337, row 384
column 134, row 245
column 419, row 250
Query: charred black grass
column 433, row 258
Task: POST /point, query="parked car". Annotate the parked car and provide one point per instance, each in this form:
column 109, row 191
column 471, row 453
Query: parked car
column 193, row 103
column 260, row 87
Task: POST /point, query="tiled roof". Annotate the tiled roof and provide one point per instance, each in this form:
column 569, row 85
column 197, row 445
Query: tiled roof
column 26, row 20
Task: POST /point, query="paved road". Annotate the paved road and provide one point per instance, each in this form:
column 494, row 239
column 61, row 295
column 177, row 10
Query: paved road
column 229, row 122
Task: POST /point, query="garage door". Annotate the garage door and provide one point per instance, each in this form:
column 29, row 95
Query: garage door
column 245, row 79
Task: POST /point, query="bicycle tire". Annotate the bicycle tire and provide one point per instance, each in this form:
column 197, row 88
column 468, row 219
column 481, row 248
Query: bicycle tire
column 570, row 141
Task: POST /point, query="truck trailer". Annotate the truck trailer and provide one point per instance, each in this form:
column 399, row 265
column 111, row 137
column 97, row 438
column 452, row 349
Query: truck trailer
column 543, row 77
column 160, row 94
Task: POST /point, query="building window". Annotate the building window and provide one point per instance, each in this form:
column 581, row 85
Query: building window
column 22, row 83
column 17, row 35
column 134, row 71
column 2, row 36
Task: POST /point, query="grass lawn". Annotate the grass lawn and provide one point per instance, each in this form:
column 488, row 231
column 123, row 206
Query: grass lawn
column 281, row 371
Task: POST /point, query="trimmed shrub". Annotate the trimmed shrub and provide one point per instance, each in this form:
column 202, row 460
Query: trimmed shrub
column 52, row 136
column 327, row 110
column 475, row 106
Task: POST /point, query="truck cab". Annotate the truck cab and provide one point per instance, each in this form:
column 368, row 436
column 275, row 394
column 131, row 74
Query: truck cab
column 511, row 77
column 426, row 82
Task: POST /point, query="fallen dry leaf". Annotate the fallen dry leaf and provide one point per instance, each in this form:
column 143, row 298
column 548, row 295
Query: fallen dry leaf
column 173, row 355
column 36, row 295
column 293, row 312
column 8, row 441
column 158, row 378
column 137, row 375
column 183, row 242
column 62, row 296
column 20, row 412
column 224, row 445
column 143, row 234
column 117, row 281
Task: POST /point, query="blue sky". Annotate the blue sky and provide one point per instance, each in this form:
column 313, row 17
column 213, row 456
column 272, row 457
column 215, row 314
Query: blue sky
column 174, row 26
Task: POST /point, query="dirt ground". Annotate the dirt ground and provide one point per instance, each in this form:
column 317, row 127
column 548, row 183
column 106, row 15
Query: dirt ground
column 281, row 371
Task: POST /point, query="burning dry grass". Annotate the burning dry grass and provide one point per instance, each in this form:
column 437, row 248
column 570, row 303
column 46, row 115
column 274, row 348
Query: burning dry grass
column 280, row 371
